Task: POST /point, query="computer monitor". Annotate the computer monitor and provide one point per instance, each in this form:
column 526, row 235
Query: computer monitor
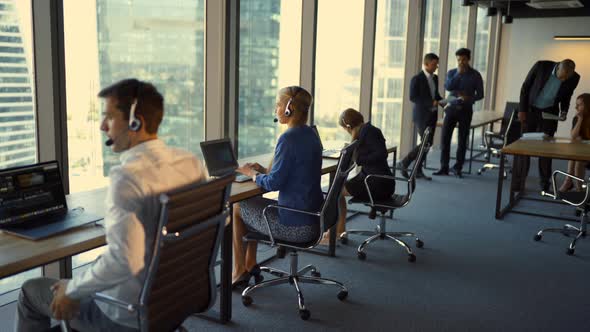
column 31, row 192
column 219, row 157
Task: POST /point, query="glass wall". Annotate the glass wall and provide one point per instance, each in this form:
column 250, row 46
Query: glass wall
column 339, row 45
column 388, row 75
column 432, row 25
column 269, row 59
column 458, row 33
column 482, row 44
column 157, row 41
column 18, row 141
column 161, row 42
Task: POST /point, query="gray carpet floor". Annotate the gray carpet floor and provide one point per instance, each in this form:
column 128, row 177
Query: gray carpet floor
column 475, row 273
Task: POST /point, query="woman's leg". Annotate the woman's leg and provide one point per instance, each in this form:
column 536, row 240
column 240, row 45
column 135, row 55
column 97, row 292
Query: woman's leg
column 239, row 230
column 342, row 210
column 567, row 183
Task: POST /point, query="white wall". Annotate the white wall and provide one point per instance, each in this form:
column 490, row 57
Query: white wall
column 528, row 40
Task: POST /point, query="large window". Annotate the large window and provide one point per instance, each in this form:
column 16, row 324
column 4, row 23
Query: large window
column 157, row 41
column 161, row 42
column 388, row 79
column 338, row 66
column 269, row 59
column 482, row 44
column 432, row 24
column 458, row 33
column 18, row 141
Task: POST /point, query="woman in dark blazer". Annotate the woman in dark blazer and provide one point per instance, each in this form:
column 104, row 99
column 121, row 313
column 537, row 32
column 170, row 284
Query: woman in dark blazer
column 370, row 158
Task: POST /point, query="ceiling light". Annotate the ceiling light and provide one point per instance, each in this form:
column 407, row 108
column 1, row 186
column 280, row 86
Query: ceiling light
column 572, row 38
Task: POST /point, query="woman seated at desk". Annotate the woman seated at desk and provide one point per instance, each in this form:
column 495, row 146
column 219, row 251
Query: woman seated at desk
column 370, row 158
column 295, row 173
column 580, row 130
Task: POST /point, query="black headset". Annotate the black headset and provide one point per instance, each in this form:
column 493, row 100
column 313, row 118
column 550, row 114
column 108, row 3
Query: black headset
column 134, row 123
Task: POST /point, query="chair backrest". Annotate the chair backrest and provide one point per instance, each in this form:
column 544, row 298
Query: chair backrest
column 424, row 146
column 180, row 278
column 509, row 113
column 329, row 212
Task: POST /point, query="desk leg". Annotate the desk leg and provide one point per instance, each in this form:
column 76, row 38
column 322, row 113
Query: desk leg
column 226, row 266
column 500, row 183
column 65, row 268
column 332, row 246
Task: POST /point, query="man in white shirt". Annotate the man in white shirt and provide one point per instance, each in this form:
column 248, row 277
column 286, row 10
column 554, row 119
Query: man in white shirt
column 133, row 112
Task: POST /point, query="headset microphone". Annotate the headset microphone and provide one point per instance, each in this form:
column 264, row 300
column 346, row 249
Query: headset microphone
column 275, row 120
column 109, row 142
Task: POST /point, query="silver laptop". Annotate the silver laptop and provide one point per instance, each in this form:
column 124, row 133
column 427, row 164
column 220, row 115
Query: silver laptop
column 33, row 203
column 326, row 153
column 220, row 159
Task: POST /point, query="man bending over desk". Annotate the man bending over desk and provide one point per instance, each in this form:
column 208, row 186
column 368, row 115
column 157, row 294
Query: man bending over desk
column 133, row 113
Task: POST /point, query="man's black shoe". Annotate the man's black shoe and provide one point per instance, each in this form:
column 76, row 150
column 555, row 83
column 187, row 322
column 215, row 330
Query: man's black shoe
column 458, row 173
column 403, row 169
column 441, row 172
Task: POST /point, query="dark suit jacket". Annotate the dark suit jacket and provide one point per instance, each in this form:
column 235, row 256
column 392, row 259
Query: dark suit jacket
column 371, row 152
column 422, row 99
column 535, row 81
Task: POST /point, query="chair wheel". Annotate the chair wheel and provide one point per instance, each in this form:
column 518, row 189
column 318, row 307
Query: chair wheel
column 342, row 295
column 479, row 172
column 411, row 258
column 246, row 300
column 344, row 240
column 537, row 237
column 361, row 255
column 304, row 314
column 419, row 244
column 281, row 252
column 569, row 251
column 258, row 278
column 316, row 274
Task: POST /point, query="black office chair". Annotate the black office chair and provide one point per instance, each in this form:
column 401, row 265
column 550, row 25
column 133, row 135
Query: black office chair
column 495, row 141
column 180, row 277
column 578, row 199
column 389, row 205
column 328, row 217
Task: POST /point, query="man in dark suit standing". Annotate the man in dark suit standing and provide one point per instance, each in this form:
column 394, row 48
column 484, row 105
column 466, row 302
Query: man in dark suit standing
column 547, row 88
column 465, row 87
column 424, row 94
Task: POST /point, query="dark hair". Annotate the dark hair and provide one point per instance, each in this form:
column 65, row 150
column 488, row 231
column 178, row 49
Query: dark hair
column 150, row 103
column 430, row 57
column 463, row 52
column 301, row 100
column 569, row 64
column 586, row 100
column 350, row 118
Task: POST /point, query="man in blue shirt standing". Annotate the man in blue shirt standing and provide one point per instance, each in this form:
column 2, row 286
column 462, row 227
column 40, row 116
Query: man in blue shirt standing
column 547, row 88
column 465, row 87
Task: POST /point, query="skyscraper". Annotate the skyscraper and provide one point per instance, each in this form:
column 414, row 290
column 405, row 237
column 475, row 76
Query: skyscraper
column 18, row 145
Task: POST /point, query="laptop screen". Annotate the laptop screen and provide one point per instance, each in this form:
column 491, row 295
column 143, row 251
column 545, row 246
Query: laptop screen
column 30, row 192
column 219, row 157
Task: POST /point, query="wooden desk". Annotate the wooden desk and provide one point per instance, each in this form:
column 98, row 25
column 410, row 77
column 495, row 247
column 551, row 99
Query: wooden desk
column 480, row 119
column 556, row 148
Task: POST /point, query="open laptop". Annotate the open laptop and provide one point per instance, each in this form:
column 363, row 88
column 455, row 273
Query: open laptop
column 331, row 153
column 220, row 159
column 33, row 203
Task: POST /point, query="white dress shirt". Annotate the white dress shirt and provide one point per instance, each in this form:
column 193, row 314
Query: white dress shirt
column 131, row 218
column 430, row 82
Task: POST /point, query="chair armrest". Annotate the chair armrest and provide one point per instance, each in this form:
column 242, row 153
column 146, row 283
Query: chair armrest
column 281, row 207
column 113, row 301
column 556, row 195
column 387, row 177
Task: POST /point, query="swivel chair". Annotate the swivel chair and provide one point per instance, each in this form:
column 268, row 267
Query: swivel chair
column 328, row 217
column 389, row 205
column 494, row 142
column 180, row 277
column 578, row 199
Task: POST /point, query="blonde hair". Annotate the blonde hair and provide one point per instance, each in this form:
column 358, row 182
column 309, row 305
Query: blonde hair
column 298, row 99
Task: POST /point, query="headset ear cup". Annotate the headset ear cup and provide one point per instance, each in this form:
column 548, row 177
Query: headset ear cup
column 134, row 123
column 287, row 110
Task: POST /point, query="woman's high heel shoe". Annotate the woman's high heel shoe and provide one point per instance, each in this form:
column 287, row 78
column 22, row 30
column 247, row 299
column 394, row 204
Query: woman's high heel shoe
column 256, row 273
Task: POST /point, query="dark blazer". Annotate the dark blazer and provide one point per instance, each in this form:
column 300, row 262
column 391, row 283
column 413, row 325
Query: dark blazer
column 421, row 97
column 371, row 152
column 535, row 81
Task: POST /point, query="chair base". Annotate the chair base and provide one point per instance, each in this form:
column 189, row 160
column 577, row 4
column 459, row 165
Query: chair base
column 295, row 277
column 568, row 230
column 382, row 234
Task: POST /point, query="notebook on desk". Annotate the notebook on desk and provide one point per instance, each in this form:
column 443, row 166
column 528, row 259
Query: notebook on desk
column 326, row 153
column 220, row 159
column 33, row 202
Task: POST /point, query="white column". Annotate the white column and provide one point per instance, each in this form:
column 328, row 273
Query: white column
column 368, row 58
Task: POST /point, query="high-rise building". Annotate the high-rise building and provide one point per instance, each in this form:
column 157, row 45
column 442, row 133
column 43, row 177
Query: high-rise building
column 18, row 144
column 161, row 42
